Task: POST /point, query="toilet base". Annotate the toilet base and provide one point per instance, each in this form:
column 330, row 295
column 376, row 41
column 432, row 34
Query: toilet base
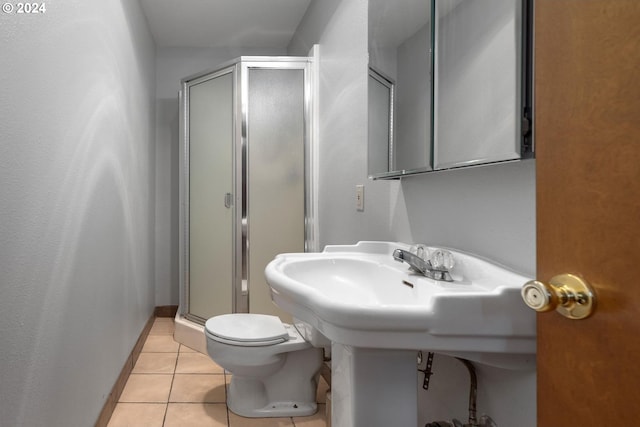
column 277, row 409
column 247, row 397
column 284, row 394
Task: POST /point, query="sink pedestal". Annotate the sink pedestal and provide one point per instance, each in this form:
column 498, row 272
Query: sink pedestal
column 373, row 387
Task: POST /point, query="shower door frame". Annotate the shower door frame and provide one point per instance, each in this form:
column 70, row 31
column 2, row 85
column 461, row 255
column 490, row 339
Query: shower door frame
column 241, row 68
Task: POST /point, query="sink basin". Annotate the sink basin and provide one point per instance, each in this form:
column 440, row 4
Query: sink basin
column 377, row 313
column 358, row 295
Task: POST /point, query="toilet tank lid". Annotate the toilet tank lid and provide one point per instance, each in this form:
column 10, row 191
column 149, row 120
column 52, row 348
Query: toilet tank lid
column 247, row 327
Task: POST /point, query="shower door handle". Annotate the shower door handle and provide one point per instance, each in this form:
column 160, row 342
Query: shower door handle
column 228, row 200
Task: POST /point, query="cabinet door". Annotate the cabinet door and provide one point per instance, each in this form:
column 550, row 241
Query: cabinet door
column 477, row 85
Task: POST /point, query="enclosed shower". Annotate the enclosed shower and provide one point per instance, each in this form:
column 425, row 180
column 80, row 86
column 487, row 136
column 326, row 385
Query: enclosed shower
column 245, row 181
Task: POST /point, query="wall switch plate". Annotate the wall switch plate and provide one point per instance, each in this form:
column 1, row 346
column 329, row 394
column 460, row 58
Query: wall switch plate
column 360, row 197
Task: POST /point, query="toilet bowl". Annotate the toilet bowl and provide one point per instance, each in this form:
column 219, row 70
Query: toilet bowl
column 274, row 370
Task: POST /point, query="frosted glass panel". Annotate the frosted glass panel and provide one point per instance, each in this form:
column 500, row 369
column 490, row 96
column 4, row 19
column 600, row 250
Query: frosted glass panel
column 276, row 175
column 477, row 82
column 210, row 178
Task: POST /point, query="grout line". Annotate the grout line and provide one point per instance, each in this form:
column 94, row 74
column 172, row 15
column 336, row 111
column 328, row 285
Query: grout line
column 166, row 410
column 190, row 403
column 173, row 377
column 226, row 385
column 150, row 373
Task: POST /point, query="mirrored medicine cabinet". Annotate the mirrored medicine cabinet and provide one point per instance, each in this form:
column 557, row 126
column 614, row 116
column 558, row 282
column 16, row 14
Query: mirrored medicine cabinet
column 450, row 84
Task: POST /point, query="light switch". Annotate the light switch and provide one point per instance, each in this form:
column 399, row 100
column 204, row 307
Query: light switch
column 360, row 197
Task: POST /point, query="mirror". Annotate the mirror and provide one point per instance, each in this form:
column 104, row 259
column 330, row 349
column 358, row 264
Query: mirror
column 461, row 84
column 381, row 96
column 399, row 51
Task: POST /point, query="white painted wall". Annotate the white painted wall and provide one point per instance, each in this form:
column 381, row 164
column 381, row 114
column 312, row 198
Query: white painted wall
column 487, row 210
column 340, row 30
column 172, row 65
column 77, row 199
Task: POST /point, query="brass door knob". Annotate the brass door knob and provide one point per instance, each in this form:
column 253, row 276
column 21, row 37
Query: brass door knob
column 568, row 294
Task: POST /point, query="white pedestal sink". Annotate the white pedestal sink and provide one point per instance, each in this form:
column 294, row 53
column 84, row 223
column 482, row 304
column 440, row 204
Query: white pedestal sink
column 378, row 313
column 373, row 387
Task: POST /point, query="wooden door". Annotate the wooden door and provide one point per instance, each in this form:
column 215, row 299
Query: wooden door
column 587, row 95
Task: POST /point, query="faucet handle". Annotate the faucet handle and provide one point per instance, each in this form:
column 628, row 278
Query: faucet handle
column 420, row 251
column 441, row 260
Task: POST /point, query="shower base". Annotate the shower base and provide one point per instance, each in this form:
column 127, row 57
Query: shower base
column 190, row 334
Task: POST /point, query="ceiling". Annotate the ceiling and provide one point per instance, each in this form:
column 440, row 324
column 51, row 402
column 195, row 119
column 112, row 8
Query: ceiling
column 224, row 23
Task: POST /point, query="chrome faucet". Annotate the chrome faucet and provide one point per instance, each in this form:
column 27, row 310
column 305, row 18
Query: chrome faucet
column 422, row 266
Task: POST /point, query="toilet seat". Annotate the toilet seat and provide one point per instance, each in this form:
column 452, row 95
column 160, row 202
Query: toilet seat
column 247, row 329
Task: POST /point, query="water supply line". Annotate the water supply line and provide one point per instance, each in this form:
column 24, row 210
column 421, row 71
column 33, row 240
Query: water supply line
column 473, row 391
column 485, row 420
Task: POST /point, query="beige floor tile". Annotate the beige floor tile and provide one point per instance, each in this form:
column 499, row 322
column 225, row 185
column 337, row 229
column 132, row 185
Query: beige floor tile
column 138, row 414
column 208, row 388
column 238, row 421
column 160, row 344
column 321, row 395
column 185, row 349
column 147, row 388
column 162, row 326
column 197, row 363
column 155, row 363
column 196, row 415
column 319, row 419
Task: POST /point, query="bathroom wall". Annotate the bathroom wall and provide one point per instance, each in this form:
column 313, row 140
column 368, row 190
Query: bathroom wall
column 172, row 65
column 486, row 210
column 77, row 200
column 340, row 29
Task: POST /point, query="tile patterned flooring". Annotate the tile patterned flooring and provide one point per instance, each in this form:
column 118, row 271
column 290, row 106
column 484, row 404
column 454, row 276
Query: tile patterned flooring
column 172, row 385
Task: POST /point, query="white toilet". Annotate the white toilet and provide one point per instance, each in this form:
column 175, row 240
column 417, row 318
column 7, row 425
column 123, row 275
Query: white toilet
column 274, row 370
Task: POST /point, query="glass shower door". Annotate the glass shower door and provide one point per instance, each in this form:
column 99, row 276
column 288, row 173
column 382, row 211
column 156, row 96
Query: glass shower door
column 210, row 197
column 275, row 175
column 245, row 132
